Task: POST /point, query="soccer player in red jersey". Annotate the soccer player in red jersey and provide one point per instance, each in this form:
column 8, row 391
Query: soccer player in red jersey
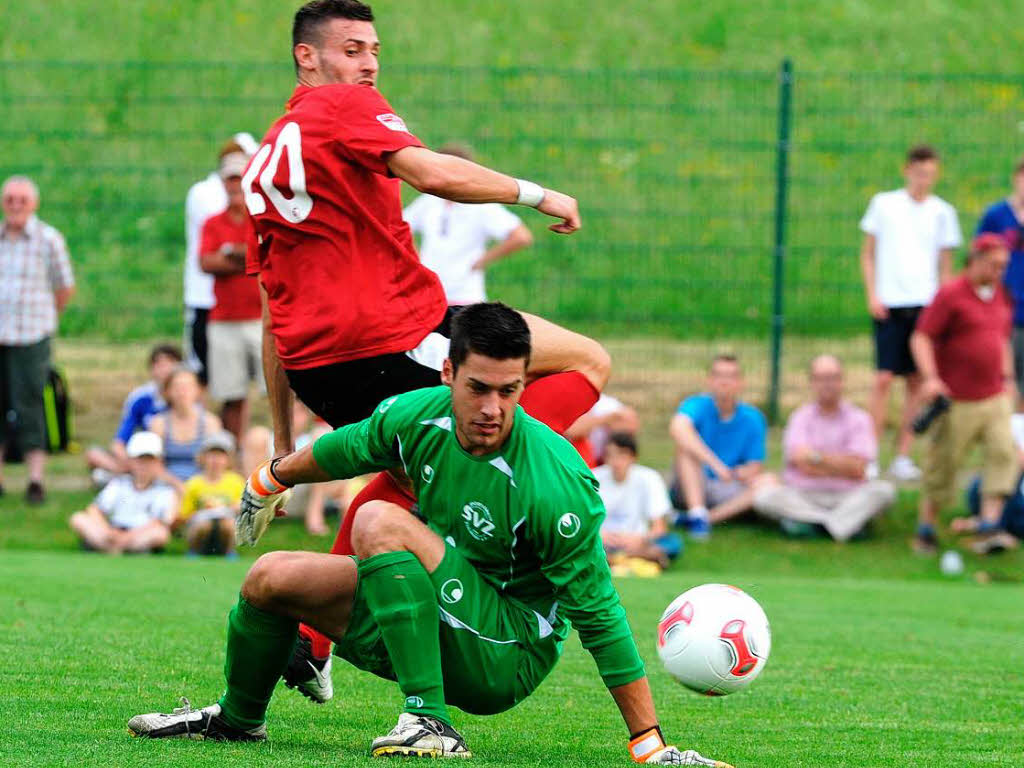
column 351, row 316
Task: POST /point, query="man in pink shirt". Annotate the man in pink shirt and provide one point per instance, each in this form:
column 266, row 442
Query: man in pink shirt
column 828, row 445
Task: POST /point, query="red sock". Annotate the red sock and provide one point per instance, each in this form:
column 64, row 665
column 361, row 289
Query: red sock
column 558, row 400
column 381, row 488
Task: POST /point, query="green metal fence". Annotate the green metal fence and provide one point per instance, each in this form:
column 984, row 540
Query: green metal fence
column 720, row 208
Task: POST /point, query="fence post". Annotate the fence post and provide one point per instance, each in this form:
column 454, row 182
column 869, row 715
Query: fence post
column 781, row 185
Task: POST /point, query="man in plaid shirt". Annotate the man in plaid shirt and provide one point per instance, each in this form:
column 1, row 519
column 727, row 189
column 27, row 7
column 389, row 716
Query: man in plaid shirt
column 35, row 285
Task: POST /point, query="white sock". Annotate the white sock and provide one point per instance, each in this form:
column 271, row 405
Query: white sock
column 700, row 513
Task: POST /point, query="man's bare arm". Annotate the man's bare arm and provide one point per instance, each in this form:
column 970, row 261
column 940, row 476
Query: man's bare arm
column 945, row 265
column 463, row 181
column 636, row 705
column 518, row 238
column 279, row 392
column 226, row 261
column 867, row 270
column 687, row 439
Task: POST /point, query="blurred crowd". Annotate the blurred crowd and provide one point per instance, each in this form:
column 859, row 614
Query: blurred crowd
column 175, row 465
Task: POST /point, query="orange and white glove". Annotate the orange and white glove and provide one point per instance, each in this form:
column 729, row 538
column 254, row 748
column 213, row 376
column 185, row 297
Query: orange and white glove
column 649, row 747
column 263, row 496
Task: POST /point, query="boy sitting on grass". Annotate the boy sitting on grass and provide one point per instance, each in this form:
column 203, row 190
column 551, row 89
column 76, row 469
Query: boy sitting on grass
column 133, row 512
column 210, row 500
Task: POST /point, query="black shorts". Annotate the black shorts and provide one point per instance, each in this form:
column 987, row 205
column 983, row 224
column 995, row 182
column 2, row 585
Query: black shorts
column 342, row 393
column 197, row 350
column 892, row 341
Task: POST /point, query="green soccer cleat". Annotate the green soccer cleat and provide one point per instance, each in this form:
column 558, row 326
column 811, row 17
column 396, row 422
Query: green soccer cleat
column 189, row 723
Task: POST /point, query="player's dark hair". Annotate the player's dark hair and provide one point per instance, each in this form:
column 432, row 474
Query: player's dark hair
column 311, row 17
column 623, row 440
column 491, row 329
column 919, row 153
column 724, row 357
column 165, row 350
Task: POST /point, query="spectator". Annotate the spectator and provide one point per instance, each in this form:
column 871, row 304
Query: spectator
column 454, row 237
column 962, row 348
column 827, row 445
column 1006, row 218
column 183, row 426
column 204, row 199
column 909, row 237
column 637, row 506
column 720, row 450
column 36, row 279
column 234, row 334
column 142, row 403
column 210, row 501
column 1012, row 519
column 589, row 433
column 133, row 512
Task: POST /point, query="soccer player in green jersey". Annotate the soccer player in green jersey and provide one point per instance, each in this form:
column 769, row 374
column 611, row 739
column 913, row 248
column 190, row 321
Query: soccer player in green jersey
column 467, row 605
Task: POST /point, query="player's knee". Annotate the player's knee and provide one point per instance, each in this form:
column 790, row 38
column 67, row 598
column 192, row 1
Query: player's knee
column 883, row 380
column 267, row 579
column 598, row 364
column 380, row 527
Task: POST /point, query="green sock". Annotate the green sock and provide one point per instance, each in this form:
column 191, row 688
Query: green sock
column 258, row 649
column 402, row 599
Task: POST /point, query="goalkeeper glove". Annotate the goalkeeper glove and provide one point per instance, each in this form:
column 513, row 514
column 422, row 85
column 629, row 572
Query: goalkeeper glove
column 649, row 747
column 263, row 497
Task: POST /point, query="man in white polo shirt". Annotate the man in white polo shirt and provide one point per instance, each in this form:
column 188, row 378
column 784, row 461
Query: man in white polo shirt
column 454, row 238
column 909, row 237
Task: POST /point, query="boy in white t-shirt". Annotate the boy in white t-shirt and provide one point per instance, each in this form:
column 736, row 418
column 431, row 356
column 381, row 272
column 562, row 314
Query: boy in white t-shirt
column 133, row 512
column 636, row 503
column 454, row 238
column 909, row 237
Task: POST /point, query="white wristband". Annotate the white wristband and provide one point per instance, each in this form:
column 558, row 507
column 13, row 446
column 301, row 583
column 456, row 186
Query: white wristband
column 529, row 193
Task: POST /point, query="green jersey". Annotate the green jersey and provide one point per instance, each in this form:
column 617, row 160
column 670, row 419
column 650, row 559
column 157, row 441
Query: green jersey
column 527, row 517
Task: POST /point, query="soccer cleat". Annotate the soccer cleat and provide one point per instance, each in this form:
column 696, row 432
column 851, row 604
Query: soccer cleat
column 420, row 736
column 189, row 723
column 673, row 756
column 925, row 542
column 904, row 469
column 309, row 675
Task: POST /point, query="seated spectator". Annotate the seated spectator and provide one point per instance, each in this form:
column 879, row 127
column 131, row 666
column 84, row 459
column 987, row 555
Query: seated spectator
column 210, row 501
column 720, row 450
column 139, row 406
column 183, row 426
column 1012, row 519
column 828, row 445
column 134, row 511
column 637, row 506
column 589, row 433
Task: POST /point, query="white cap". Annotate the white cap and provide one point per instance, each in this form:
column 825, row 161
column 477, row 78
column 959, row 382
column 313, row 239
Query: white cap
column 145, row 444
column 246, row 141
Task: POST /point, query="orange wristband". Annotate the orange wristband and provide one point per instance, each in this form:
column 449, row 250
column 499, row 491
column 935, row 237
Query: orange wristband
column 645, row 744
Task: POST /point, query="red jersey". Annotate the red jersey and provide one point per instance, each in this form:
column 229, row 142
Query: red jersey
column 970, row 336
column 237, row 296
column 342, row 275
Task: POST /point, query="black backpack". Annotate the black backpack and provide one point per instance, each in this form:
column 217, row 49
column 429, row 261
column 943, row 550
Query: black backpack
column 57, row 416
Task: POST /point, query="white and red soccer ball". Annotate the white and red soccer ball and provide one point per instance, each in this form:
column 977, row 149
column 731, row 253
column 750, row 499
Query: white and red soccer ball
column 714, row 639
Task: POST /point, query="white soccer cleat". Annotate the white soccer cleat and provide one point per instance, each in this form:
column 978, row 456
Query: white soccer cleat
column 672, row 756
column 309, row 675
column 189, row 723
column 420, row 736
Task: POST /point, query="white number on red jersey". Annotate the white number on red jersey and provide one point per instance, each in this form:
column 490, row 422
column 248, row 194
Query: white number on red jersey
column 298, row 206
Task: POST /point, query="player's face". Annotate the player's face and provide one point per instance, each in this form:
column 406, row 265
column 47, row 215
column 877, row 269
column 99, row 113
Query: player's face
column 827, row 383
column 233, row 186
column 725, row 381
column 485, row 393
column 162, row 367
column 182, row 389
column 145, row 469
column 19, row 203
column 216, row 462
column 992, row 265
column 921, row 176
column 1018, row 185
column 618, row 459
column 348, row 53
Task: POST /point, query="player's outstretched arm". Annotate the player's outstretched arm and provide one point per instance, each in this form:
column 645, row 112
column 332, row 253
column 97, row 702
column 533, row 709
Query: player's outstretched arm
column 463, row 181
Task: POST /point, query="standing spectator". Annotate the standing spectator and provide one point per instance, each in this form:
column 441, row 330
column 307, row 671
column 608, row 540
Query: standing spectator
column 636, row 504
column 590, row 432
column 1013, row 510
column 204, row 199
column 454, row 237
column 962, row 348
column 909, row 237
column 235, row 331
column 720, row 450
column 1006, row 218
column 210, row 501
column 142, row 403
column 183, row 426
column 35, row 285
column 828, row 445
column 134, row 511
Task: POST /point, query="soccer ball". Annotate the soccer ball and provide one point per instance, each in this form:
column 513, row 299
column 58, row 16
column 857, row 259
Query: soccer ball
column 714, row 639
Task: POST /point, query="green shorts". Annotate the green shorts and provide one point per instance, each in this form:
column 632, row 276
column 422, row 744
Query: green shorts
column 494, row 650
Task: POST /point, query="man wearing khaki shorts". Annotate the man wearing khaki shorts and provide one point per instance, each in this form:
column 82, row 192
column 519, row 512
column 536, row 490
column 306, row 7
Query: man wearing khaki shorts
column 235, row 330
column 962, row 348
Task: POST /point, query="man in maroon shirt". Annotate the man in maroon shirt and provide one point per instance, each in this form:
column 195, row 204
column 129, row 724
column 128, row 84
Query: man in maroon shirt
column 962, row 348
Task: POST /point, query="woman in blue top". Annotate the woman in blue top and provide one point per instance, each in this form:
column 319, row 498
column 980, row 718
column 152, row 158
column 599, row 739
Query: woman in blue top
column 183, row 426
